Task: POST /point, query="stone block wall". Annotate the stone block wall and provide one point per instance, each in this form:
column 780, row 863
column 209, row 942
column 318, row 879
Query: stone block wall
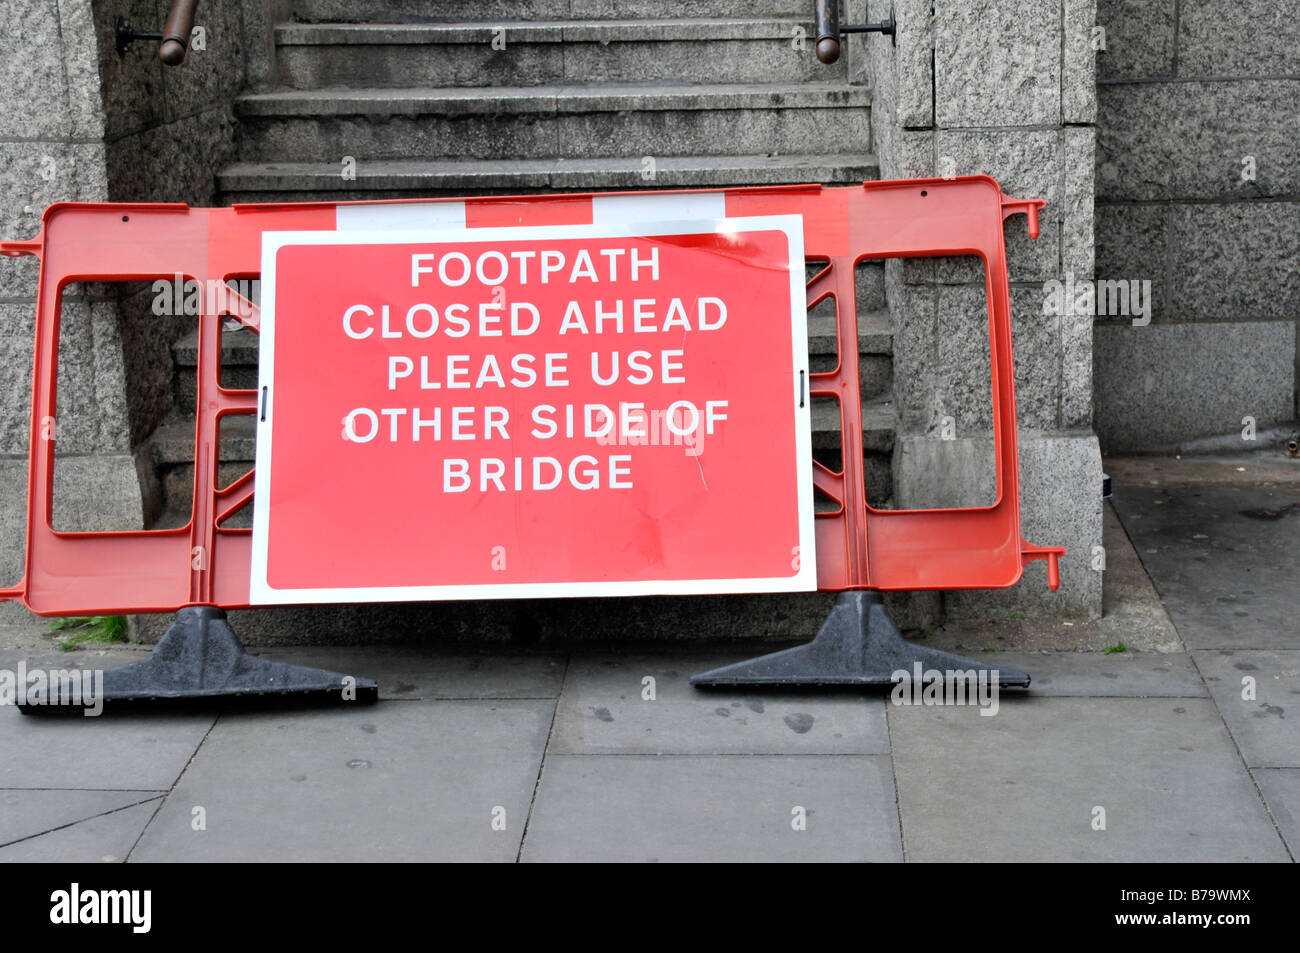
column 167, row 130
column 1005, row 89
column 79, row 122
column 1197, row 182
column 52, row 148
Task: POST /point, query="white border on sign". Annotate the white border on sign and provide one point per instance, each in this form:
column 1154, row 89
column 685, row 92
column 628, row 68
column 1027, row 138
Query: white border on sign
column 804, row 580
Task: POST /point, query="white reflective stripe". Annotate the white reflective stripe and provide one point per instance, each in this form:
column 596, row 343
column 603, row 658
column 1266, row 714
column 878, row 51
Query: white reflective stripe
column 625, row 209
column 400, row 216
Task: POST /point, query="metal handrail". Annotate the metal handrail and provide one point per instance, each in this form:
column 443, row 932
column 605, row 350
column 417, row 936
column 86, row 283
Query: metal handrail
column 826, row 17
column 174, row 38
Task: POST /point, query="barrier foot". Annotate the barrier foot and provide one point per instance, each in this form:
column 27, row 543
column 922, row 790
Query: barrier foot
column 858, row 644
column 198, row 663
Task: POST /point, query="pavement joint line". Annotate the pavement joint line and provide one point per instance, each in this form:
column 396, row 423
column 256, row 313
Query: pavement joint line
column 125, row 807
column 1137, row 551
column 541, row 762
column 1013, row 700
column 898, row 797
column 163, row 800
column 1267, row 810
column 154, row 791
column 1214, row 701
column 1263, row 801
column 719, row 754
column 473, row 698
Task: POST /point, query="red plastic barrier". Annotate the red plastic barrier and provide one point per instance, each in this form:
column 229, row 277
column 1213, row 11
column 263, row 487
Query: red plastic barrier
column 205, row 563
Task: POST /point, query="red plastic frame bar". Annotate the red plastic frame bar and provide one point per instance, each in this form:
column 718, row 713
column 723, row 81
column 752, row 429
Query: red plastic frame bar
column 204, row 563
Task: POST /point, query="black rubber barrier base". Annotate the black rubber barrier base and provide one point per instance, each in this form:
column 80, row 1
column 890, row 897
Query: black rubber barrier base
column 200, row 663
column 858, row 644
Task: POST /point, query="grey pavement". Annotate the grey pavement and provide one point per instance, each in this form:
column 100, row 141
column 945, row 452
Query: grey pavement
column 1028, row 784
column 1181, row 748
column 1224, row 558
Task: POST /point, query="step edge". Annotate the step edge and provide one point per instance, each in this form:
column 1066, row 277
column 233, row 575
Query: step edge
column 535, row 31
column 544, row 100
column 253, row 177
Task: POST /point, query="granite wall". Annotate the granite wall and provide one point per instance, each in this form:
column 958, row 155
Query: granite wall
column 1197, row 183
column 79, row 122
column 1005, row 89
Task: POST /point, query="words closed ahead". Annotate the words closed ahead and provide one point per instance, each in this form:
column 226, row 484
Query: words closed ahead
column 522, row 412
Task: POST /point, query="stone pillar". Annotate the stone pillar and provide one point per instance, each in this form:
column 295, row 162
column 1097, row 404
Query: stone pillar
column 52, row 149
column 79, row 122
column 1004, row 89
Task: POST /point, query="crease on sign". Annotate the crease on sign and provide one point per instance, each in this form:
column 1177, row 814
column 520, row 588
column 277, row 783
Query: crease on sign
column 698, row 451
column 701, row 469
column 649, row 545
column 742, row 249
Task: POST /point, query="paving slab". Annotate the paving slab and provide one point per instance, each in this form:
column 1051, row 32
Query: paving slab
column 1223, row 558
column 1268, row 466
column 400, row 781
column 27, row 813
column 603, row 711
column 1097, row 675
column 1281, row 790
column 413, row 672
column 1131, row 613
column 616, row 808
column 1267, row 726
column 1022, row 785
column 43, row 652
column 111, row 752
column 107, row 838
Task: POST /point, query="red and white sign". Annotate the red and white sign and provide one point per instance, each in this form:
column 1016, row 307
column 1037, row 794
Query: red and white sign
column 609, row 409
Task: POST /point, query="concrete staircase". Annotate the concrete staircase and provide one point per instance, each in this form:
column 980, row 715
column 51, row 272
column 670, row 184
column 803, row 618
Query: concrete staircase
column 540, row 96
column 427, row 108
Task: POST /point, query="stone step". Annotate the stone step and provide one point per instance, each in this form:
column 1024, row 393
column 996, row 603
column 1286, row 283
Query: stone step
column 878, row 424
column 239, row 351
column 524, row 53
column 172, row 449
column 875, row 349
column 177, row 477
column 172, row 443
column 628, row 121
column 427, row 11
column 401, row 178
column 238, row 365
column 875, row 334
column 239, row 348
